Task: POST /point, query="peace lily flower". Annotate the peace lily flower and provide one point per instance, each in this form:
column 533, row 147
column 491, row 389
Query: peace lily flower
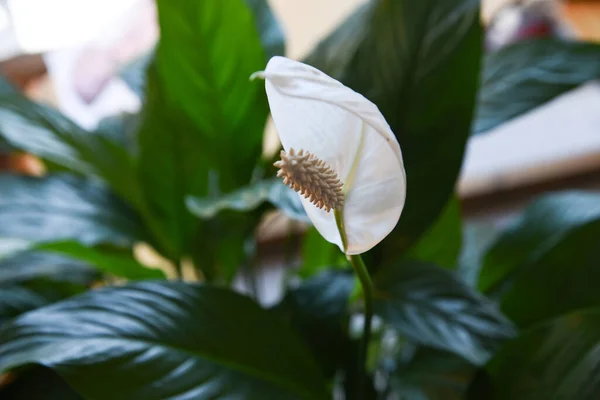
column 339, row 154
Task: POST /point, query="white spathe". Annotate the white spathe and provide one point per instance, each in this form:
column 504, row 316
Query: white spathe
column 314, row 112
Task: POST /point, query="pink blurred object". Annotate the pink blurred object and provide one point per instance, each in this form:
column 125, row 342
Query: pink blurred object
column 531, row 20
column 93, row 70
column 86, row 78
column 97, row 65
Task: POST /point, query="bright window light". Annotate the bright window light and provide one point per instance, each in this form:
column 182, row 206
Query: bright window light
column 42, row 25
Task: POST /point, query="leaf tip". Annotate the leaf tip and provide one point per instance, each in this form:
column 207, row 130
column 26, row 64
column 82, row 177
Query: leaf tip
column 258, row 74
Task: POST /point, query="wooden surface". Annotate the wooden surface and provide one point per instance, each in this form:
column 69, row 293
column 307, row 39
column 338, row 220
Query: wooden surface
column 583, row 17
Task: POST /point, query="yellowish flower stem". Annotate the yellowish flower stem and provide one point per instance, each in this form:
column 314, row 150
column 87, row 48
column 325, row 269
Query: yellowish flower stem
column 367, row 287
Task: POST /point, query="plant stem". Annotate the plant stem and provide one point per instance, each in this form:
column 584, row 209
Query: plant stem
column 367, row 287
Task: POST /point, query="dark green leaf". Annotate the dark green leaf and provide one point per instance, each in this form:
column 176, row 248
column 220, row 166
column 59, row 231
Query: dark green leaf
column 43, row 131
column 120, row 128
column 6, row 87
column 228, row 222
column 477, row 237
column 317, row 309
column 526, row 75
column 225, row 229
column 432, row 375
column 15, row 300
column 64, row 207
column 250, row 198
column 121, row 265
column 324, row 297
column 441, row 244
column 418, row 61
column 542, row 226
column 38, row 129
column 134, row 73
column 36, row 384
column 28, row 265
column 226, row 244
column 203, row 121
column 558, row 360
column 271, row 35
column 432, row 307
column 5, row 148
column 565, row 279
column 247, row 198
column 71, row 262
column 164, row 340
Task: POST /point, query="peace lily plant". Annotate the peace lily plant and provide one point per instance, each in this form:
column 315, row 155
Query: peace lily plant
column 342, row 158
column 468, row 310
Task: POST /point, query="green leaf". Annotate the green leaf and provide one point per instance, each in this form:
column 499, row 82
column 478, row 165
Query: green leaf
column 249, row 198
column 542, row 226
column 562, row 281
column 203, row 121
column 245, row 199
column 432, row 307
column 558, row 360
column 441, row 244
column 118, row 264
column 64, row 207
column 271, row 36
column 270, row 32
column 28, row 265
column 164, row 340
column 432, row 375
column 37, row 129
column 15, row 300
column 225, row 229
column 38, row 383
column 518, row 78
column 44, row 132
column 70, row 261
column 228, row 222
column 5, row 148
column 31, row 279
column 318, row 310
column 418, row 61
column 324, row 297
column 6, row 87
column 478, row 237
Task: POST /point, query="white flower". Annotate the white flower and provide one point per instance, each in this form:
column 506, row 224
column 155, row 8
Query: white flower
column 315, row 113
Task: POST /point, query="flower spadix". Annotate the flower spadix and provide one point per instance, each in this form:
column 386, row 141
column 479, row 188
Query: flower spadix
column 339, row 154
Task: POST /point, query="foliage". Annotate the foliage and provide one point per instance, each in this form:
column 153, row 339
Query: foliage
column 521, row 77
column 462, row 311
